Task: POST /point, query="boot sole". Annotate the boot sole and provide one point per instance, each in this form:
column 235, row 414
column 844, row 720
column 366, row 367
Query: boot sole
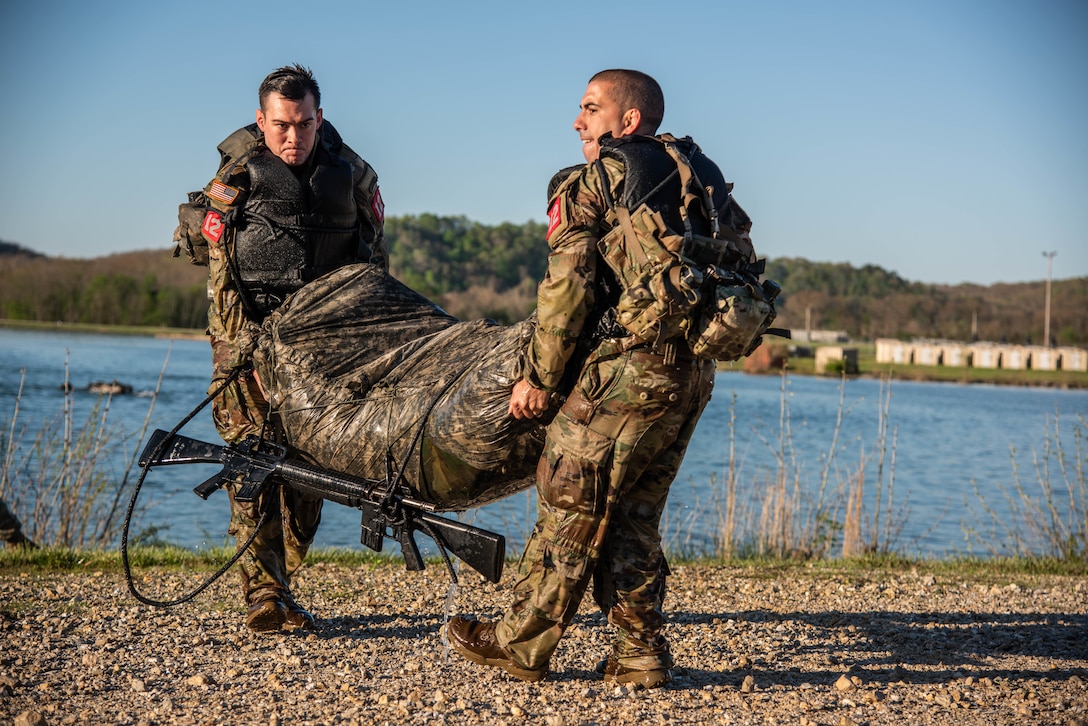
column 504, row 663
column 293, row 623
column 267, row 621
column 646, row 679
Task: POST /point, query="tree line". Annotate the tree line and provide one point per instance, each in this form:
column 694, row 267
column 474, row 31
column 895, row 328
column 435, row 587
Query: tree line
column 474, row 270
column 870, row 302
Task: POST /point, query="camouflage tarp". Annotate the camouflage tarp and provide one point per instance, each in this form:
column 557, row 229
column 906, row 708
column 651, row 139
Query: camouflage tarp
column 363, row 371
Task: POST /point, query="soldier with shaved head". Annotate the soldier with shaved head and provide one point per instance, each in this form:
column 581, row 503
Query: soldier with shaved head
column 615, row 445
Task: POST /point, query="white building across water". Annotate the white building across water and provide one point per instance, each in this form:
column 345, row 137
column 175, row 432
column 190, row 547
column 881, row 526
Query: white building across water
column 981, row 355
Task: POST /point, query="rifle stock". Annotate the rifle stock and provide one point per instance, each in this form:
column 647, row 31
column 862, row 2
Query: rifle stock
column 481, row 550
column 253, row 461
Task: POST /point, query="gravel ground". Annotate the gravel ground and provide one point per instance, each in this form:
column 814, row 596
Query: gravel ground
column 790, row 646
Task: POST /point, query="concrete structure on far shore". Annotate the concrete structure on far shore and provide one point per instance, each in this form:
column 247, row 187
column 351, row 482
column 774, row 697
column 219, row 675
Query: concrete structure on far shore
column 818, row 336
column 981, row 355
column 829, row 357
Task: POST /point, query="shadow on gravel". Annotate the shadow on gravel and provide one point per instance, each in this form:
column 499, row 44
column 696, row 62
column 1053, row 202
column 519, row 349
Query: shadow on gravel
column 889, row 646
column 364, row 627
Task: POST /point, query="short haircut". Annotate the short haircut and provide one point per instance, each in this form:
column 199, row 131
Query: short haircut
column 635, row 89
column 291, row 82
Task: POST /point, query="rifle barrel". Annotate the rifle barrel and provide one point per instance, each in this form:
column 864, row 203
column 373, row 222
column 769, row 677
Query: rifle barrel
column 340, row 488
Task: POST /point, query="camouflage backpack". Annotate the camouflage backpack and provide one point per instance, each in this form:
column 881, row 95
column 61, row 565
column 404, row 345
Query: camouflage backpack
column 703, row 288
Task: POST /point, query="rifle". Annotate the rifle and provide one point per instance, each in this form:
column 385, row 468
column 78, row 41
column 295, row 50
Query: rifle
column 386, row 511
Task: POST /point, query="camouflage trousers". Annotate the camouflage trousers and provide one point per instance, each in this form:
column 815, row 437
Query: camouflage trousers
column 291, row 520
column 609, row 459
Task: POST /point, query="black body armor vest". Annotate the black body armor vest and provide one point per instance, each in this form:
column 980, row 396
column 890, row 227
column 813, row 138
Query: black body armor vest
column 290, row 230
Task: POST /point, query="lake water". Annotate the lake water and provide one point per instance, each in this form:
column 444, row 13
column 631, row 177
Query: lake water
column 946, row 440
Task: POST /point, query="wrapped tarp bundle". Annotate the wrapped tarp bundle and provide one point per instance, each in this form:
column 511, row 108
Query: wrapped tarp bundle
column 367, row 375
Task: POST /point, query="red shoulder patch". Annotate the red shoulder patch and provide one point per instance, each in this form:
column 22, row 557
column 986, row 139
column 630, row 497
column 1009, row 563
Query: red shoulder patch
column 213, row 226
column 555, row 215
column 378, row 206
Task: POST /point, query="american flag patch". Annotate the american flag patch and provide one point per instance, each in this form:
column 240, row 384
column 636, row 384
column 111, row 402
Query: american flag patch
column 222, row 193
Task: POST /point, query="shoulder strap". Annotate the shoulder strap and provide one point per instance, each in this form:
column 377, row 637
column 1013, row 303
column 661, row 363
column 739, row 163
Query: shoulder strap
column 237, row 149
column 606, row 189
column 562, row 179
column 691, row 190
column 622, row 216
column 239, row 143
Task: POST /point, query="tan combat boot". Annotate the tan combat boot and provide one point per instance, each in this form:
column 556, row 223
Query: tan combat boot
column 616, row 673
column 476, row 641
column 266, row 612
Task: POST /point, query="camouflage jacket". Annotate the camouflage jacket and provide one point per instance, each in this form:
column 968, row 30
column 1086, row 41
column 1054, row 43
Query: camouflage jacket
column 567, row 297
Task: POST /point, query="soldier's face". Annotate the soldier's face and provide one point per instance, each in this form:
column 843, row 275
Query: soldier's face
column 290, row 127
column 599, row 114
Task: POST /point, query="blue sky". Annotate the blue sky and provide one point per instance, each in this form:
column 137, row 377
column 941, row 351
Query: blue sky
column 944, row 140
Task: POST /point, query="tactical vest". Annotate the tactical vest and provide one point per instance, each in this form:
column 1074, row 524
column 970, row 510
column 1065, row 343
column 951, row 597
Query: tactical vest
column 291, row 231
column 294, row 231
column 683, row 273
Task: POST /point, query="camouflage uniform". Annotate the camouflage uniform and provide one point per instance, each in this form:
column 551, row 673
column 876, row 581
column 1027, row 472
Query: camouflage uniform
column 241, row 409
column 611, row 453
column 11, row 530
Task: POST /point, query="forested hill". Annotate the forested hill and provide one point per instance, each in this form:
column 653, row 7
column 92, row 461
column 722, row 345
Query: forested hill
column 871, row 302
column 9, row 248
column 475, row 270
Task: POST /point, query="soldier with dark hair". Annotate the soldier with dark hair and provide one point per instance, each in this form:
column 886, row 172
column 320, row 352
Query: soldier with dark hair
column 615, row 446
column 291, row 202
column 11, row 529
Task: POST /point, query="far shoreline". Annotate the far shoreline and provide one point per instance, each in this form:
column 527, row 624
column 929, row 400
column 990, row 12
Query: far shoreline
column 1064, row 380
column 140, row 330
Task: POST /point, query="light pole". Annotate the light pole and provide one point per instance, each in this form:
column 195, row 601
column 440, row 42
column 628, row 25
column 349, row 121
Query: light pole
column 1046, row 315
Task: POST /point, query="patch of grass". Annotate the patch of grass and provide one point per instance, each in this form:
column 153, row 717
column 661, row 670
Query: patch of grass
column 996, row 571
column 1002, row 566
column 59, row 560
column 154, row 331
column 170, row 557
